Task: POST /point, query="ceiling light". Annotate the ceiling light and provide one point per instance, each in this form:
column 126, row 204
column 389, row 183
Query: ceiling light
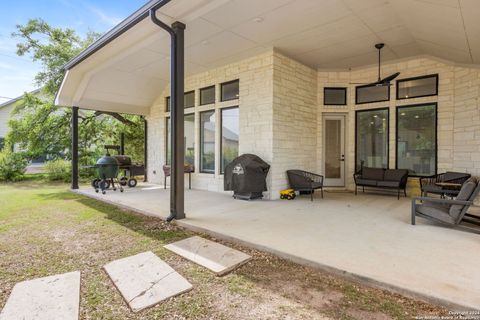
column 402, row 114
column 258, row 19
column 375, row 116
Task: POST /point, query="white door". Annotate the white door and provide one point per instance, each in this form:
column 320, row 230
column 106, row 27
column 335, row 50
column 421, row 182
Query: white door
column 334, row 150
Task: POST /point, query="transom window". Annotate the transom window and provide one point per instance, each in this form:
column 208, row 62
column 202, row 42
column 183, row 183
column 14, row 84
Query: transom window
column 371, row 146
column 334, row 96
column 230, row 90
column 207, row 95
column 417, row 139
column 371, row 93
column 188, row 100
column 416, row 87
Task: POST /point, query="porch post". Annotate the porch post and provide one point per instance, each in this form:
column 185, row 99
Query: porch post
column 177, row 210
column 74, row 148
column 122, row 143
column 145, row 148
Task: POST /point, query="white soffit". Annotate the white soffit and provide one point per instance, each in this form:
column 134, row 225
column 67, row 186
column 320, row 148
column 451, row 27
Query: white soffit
column 134, row 68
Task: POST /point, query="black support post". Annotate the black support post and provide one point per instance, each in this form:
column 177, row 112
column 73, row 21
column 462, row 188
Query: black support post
column 177, row 78
column 122, row 143
column 75, row 148
column 145, row 149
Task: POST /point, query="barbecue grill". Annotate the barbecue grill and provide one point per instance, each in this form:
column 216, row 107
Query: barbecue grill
column 246, row 176
column 107, row 168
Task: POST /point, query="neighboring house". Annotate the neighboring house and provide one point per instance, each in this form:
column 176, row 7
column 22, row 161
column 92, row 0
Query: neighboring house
column 292, row 72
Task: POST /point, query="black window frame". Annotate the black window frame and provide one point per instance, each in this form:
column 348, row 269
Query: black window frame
column 184, row 97
column 167, row 103
column 436, row 135
column 167, row 129
column 388, row 134
column 222, row 171
column 344, row 89
column 200, row 147
column 366, row 86
column 433, row 75
column 229, row 82
column 214, row 95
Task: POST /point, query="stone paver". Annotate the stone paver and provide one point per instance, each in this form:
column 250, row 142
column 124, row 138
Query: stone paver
column 145, row 280
column 214, row 256
column 51, row 298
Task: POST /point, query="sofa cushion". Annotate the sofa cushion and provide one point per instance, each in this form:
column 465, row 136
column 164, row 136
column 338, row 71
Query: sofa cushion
column 395, row 174
column 436, row 210
column 465, row 193
column 366, row 182
column 372, row 173
column 389, row 184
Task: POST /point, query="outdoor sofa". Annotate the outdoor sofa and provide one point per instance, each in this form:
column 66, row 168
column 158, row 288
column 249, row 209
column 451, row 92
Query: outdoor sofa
column 305, row 181
column 448, row 211
column 395, row 179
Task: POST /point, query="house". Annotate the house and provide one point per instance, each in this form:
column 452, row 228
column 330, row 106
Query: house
column 6, row 109
column 295, row 82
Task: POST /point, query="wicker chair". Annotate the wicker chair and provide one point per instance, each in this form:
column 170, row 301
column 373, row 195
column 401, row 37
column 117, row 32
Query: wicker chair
column 300, row 180
column 448, row 211
column 428, row 184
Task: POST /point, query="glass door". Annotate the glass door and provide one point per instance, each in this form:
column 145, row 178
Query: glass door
column 334, row 150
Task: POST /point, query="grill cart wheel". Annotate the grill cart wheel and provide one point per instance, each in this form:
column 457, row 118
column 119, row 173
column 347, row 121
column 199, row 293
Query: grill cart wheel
column 95, row 183
column 132, row 182
column 123, row 181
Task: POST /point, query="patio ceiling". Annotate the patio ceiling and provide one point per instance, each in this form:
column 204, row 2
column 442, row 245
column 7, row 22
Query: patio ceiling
column 128, row 74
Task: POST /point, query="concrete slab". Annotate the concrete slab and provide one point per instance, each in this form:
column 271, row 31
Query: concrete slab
column 51, row 298
column 367, row 237
column 211, row 255
column 145, row 280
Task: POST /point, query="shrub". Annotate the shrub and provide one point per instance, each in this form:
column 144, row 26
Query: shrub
column 12, row 166
column 58, row 170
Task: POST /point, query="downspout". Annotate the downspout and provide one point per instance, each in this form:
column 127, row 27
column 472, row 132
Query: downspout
column 177, row 76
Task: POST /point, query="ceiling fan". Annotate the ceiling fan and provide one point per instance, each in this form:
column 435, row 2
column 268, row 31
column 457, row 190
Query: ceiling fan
column 380, row 82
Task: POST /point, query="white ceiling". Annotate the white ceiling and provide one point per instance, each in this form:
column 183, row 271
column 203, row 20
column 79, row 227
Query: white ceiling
column 326, row 34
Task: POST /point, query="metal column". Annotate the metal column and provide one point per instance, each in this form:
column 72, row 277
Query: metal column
column 145, row 148
column 75, row 148
column 122, row 143
column 177, row 78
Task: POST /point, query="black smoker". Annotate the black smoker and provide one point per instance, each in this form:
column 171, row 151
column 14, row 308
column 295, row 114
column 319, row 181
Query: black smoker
column 246, row 177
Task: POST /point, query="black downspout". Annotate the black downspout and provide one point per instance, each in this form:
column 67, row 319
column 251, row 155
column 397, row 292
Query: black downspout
column 177, row 77
column 145, row 149
column 75, row 148
column 122, row 143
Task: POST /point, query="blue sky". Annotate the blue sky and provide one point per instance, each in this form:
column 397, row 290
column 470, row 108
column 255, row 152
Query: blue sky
column 17, row 73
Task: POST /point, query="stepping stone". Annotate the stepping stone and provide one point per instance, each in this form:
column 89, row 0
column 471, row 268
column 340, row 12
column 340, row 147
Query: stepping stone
column 51, row 298
column 214, row 256
column 145, row 280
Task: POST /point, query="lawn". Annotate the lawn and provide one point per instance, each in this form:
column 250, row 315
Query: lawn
column 45, row 229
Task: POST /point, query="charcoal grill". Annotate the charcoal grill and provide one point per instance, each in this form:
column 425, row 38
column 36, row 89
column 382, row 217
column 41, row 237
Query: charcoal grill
column 246, row 177
column 107, row 169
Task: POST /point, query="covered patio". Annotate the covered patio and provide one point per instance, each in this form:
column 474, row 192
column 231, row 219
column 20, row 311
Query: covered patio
column 367, row 237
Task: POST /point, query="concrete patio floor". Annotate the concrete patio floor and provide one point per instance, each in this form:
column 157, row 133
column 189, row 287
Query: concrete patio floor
column 367, row 237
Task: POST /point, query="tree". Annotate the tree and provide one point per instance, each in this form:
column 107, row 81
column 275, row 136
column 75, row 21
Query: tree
column 41, row 128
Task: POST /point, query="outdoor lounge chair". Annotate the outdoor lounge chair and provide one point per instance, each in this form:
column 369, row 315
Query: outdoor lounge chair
column 429, row 184
column 448, row 211
column 304, row 181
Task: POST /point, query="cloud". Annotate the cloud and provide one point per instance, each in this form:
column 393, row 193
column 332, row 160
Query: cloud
column 106, row 19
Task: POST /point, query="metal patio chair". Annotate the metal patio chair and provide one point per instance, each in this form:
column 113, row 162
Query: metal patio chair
column 305, row 181
column 429, row 184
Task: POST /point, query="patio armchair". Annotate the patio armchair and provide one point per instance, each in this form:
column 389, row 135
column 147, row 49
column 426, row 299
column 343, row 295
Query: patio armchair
column 449, row 211
column 429, row 184
column 188, row 168
column 305, row 181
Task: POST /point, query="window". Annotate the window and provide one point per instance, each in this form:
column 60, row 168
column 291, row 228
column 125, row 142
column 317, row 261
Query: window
column 417, row 139
column 335, row 96
column 371, row 140
column 189, row 99
column 207, row 95
column 230, row 90
column 230, row 134
column 371, row 93
column 2, row 143
column 423, row 86
column 189, row 139
column 207, row 141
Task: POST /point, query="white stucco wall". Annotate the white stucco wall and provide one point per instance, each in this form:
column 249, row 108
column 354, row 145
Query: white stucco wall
column 4, row 118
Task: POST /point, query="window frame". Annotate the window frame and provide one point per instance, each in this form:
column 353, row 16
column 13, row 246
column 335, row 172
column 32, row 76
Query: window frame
column 222, row 171
column 200, row 147
column 167, row 119
column 397, row 110
column 366, row 86
column 229, row 82
column 433, row 75
column 388, row 134
column 344, row 89
column 167, row 103
column 200, row 95
column 184, row 95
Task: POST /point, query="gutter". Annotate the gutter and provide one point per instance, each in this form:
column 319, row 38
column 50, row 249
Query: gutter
column 117, row 31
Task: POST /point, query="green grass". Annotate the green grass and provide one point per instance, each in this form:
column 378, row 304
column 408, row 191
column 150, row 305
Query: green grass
column 45, row 229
